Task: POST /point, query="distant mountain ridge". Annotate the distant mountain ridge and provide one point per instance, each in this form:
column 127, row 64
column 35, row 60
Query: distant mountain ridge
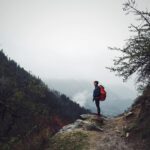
column 29, row 111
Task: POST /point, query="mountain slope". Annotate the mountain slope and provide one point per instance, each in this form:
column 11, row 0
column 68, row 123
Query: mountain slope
column 139, row 127
column 29, row 111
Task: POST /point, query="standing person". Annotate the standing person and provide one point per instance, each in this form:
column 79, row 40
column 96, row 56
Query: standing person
column 96, row 95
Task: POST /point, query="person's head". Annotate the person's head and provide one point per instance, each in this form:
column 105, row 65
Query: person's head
column 95, row 83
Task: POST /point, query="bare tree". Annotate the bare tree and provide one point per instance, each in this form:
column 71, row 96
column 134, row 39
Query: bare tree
column 136, row 51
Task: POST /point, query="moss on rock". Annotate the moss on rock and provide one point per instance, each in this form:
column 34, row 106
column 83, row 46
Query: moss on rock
column 75, row 140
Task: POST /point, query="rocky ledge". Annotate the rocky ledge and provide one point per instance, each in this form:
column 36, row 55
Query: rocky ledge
column 86, row 122
column 75, row 136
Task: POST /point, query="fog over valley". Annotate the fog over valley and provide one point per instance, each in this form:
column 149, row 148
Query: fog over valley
column 119, row 97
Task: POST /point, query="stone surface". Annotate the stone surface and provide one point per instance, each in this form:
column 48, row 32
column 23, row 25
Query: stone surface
column 87, row 122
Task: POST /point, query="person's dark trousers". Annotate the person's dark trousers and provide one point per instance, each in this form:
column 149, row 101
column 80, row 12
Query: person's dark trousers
column 97, row 102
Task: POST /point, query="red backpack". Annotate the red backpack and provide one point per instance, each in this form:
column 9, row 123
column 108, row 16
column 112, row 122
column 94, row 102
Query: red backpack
column 103, row 93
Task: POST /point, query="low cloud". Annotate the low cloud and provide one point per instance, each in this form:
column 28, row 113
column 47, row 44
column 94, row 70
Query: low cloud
column 82, row 97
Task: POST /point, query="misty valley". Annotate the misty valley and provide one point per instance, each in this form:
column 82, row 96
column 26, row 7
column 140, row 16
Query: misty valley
column 119, row 97
column 75, row 75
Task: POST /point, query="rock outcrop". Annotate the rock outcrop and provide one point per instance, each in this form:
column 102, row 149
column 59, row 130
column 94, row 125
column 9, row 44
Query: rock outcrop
column 87, row 122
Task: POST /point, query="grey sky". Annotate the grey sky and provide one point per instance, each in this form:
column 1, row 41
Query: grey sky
column 65, row 38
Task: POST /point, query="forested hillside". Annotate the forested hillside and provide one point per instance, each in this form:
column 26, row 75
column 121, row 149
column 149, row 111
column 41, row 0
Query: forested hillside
column 29, row 111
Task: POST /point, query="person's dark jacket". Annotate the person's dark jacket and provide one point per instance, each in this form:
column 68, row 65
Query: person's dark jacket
column 96, row 92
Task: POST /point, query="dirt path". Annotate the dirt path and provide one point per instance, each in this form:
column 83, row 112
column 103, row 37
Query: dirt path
column 110, row 139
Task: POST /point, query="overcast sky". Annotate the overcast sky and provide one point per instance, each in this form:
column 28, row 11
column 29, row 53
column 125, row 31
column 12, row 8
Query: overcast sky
column 65, row 39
